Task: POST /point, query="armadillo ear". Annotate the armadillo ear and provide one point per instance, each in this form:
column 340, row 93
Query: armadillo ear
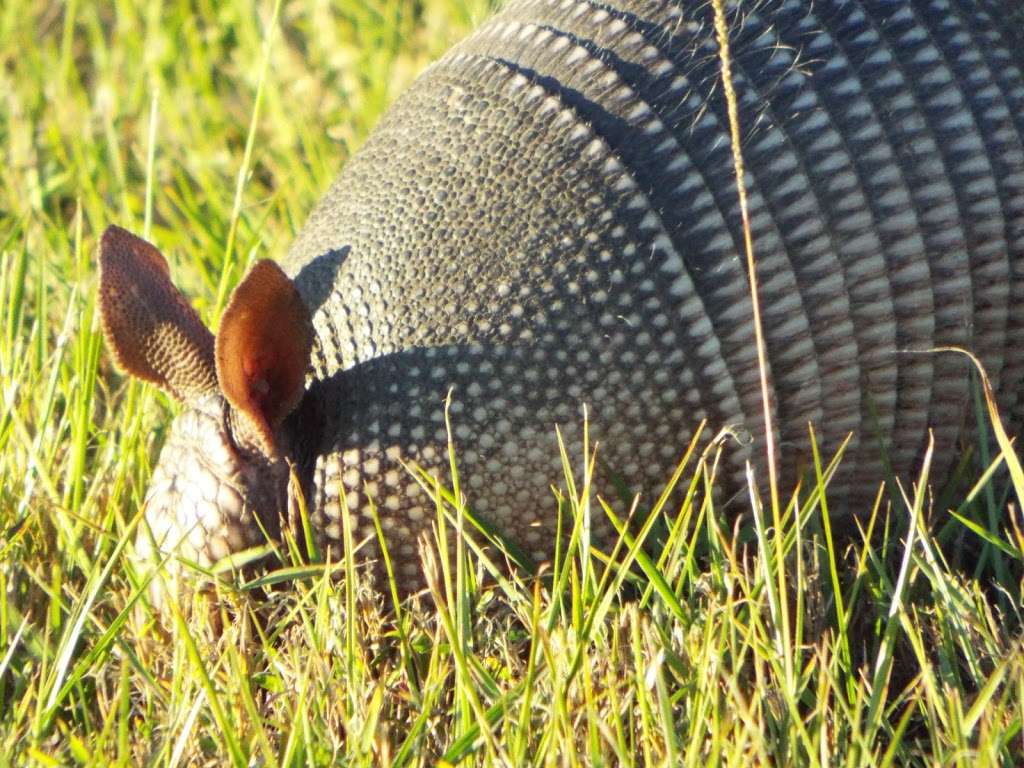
column 152, row 330
column 262, row 350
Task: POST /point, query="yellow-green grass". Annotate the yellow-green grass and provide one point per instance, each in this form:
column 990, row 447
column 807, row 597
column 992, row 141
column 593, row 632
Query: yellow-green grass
column 212, row 128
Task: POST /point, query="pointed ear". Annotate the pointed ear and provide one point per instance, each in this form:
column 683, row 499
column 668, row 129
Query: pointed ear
column 262, row 350
column 151, row 329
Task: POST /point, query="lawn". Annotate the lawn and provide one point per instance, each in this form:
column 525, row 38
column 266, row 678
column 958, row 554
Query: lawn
column 211, row 129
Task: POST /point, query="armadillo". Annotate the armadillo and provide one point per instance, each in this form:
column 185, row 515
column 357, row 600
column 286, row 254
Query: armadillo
column 547, row 221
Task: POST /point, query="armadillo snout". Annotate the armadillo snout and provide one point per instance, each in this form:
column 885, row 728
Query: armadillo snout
column 209, row 498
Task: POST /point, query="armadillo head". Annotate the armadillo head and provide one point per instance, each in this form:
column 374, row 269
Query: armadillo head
column 221, row 481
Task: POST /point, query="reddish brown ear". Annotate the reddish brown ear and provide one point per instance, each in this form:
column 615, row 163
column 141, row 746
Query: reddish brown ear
column 263, row 348
column 149, row 326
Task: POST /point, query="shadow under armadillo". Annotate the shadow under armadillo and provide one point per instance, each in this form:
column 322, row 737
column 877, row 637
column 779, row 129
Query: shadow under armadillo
column 369, row 438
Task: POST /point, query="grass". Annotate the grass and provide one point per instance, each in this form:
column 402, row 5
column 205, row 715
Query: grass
column 183, row 122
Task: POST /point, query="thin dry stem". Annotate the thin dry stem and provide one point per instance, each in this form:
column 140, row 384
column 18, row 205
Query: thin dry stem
column 722, row 32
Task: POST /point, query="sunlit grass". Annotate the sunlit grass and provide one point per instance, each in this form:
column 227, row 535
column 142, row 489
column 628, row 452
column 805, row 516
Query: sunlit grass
column 691, row 642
